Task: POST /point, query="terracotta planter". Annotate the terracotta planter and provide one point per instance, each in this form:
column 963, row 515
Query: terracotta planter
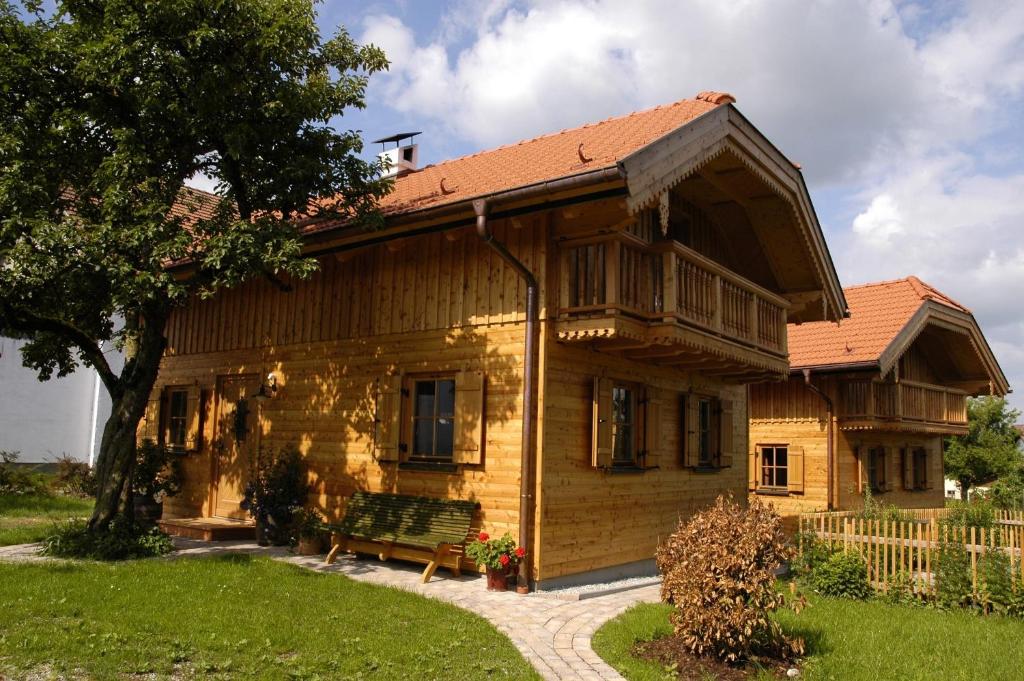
column 497, row 580
column 309, row 546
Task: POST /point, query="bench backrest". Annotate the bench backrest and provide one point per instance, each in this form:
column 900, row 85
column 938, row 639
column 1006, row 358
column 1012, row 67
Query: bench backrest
column 404, row 519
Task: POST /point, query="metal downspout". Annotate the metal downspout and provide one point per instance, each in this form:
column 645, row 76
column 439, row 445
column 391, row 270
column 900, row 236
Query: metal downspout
column 526, row 466
column 829, row 428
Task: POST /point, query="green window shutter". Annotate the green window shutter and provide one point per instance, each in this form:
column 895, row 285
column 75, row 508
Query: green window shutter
column 387, row 418
column 601, row 437
column 469, row 417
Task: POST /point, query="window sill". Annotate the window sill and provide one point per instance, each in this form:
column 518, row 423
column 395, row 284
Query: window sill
column 704, row 470
column 772, row 492
column 428, row 467
column 628, row 470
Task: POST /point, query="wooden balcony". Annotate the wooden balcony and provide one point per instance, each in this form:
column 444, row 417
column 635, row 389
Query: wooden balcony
column 666, row 301
column 907, row 405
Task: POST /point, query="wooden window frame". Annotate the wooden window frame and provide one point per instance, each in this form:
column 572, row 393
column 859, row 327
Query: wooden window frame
column 707, row 456
column 636, row 440
column 775, row 487
column 876, row 470
column 409, row 418
column 919, row 466
column 172, row 420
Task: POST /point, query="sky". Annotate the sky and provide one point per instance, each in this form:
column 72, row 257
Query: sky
column 906, row 117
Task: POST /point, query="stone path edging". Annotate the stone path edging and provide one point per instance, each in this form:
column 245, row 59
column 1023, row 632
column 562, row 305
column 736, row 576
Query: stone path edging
column 552, row 633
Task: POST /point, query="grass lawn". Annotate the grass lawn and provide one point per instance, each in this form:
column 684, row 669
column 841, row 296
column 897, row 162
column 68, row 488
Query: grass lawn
column 855, row 641
column 235, row 617
column 27, row 519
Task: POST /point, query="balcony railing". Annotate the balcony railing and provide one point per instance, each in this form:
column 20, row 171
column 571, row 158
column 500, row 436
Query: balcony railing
column 906, row 400
column 667, row 281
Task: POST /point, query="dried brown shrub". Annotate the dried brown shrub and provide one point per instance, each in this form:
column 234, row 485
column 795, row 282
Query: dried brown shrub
column 717, row 570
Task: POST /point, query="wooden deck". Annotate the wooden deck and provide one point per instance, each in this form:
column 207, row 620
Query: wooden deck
column 209, row 529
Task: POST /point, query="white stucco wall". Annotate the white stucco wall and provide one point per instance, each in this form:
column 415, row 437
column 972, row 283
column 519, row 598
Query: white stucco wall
column 44, row 420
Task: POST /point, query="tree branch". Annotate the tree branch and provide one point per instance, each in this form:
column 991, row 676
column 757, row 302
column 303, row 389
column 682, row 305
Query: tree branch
column 28, row 322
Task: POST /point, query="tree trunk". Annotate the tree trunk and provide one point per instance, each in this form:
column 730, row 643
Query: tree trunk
column 965, row 486
column 128, row 405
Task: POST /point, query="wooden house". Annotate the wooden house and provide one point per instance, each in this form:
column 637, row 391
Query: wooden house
column 869, row 402
column 560, row 329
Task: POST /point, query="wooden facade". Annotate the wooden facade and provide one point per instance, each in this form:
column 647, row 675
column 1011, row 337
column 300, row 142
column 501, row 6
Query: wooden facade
column 654, row 315
column 888, row 425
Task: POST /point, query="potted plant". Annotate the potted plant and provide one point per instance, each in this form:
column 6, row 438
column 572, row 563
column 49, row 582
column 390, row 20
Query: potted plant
column 308, row 528
column 156, row 476
column 277, row 489
column 501, row 558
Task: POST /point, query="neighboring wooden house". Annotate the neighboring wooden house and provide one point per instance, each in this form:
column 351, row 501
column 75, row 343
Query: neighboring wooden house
column 869, row 402
column 666, row 251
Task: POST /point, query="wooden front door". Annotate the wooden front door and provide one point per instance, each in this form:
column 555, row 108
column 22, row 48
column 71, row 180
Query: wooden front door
column 236, row 442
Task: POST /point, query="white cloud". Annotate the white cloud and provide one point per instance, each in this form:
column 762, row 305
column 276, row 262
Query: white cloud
column 894, row 110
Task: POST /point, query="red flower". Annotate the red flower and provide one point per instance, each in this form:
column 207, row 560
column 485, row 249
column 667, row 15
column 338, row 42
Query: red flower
column 504, row 559
column 483, row 536
column 520, row 552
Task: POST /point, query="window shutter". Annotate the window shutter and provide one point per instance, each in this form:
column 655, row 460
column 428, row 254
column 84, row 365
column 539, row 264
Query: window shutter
column 726, row 438
column 193, row 435
column 691, row 446
column 149, row 429
column 387, row 424
column 601, row 436
column 907, row 457
column 795, row 469
column 469, row 417
column 890, row 469
column 652, row 432
column 753, row 468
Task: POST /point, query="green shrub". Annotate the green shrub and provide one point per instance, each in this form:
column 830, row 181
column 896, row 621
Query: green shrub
column 813, row 552
column 953, row 575
column 882, row 511
column 123, row 540
column 998, row 591
column 899, row 589
column 278, row 488
column 18, row 480
column 74, row 478
column 844, row 575
column 969, row 514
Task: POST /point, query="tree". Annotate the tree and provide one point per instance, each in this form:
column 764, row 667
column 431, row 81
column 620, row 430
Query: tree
column 989, row 450
column 108, row 107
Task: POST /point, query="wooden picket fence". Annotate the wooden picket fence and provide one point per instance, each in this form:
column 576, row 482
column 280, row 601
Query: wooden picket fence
column 890, row 548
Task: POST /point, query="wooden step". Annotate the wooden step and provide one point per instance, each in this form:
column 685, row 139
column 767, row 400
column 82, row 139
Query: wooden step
column 209, row 529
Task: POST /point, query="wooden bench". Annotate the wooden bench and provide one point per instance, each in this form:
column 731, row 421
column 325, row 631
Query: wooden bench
column 405, row 527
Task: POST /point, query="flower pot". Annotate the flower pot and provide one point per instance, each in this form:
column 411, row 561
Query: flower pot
column 309, row 546
column 262, row 532
column 497, row 580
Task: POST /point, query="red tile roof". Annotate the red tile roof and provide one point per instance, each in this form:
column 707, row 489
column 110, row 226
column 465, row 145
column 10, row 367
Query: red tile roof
column 878, row 312
column 594, row 146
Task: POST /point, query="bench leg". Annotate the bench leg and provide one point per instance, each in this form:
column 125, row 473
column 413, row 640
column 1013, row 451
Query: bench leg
column 338, row 544
column 435, row 561
column 457, row 568
column 386, row 552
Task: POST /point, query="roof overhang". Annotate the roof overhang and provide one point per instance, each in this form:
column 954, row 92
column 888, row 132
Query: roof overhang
column 659, row 166
column 938, row 316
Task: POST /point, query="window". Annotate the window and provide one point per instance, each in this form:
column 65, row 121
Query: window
column 707, row 413
column 775, row 466
column 433, row 420
column 920, row 467
column 177, row 418
column 876, row 469
column 624, row 430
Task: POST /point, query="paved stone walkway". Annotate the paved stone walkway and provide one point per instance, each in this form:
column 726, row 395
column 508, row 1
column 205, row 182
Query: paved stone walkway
column 552, row 634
